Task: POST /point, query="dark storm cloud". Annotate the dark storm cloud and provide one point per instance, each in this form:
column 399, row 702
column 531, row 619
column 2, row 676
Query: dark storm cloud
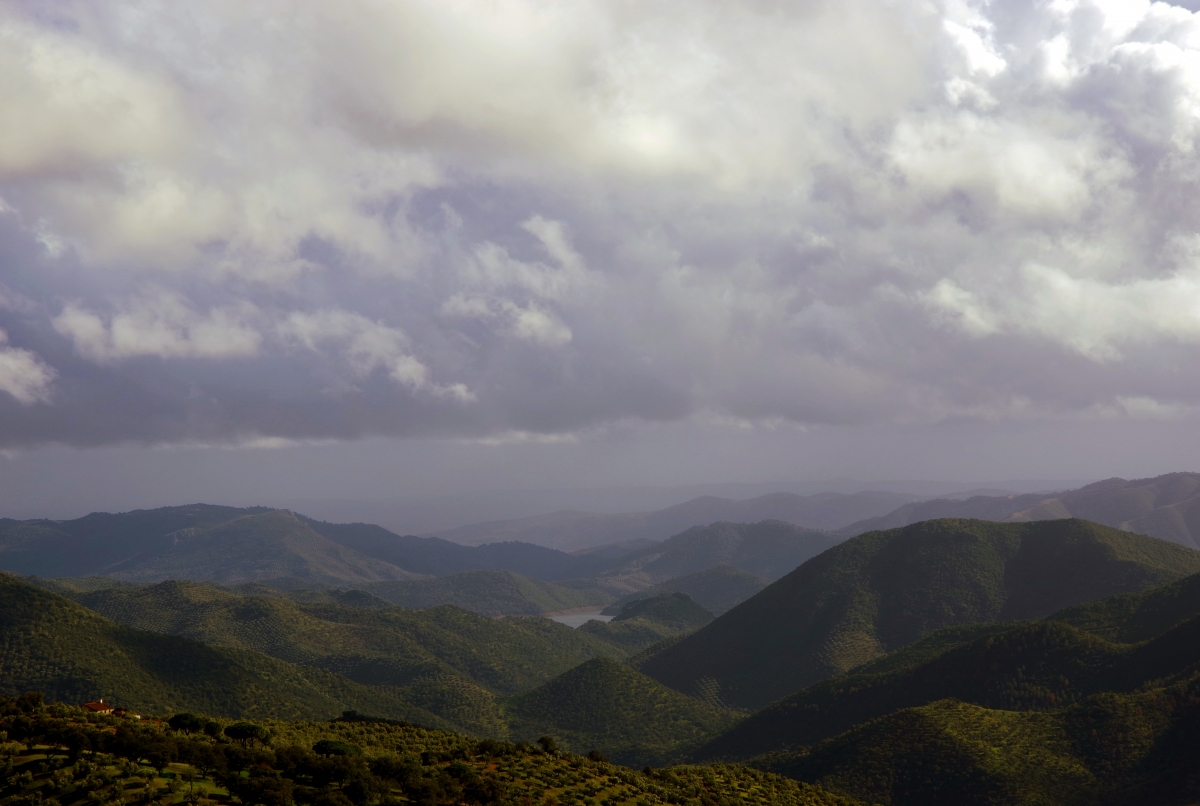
column 235, row 224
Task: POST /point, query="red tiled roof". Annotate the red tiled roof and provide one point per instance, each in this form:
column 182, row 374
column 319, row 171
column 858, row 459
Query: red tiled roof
column 99, row 706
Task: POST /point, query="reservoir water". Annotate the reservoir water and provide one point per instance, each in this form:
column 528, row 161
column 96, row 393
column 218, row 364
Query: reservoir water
column 580, row 618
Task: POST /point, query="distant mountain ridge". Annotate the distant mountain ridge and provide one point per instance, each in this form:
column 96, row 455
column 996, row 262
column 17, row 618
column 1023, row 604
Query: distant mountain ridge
column 434, row 556
column 576, row 531
column 267, row 545
column 768, row 549
column 234, row 546
column 240, row 547
column 1166, row 507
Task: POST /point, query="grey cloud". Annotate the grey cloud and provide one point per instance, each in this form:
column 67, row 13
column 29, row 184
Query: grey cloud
column 231, row 223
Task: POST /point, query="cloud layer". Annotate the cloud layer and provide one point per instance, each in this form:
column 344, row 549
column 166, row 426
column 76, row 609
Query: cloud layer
column 235, row 221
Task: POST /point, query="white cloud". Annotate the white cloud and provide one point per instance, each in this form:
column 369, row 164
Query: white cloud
column 366, row 346
column 961, row 307
column 530, row 322
column 1025, row 169
column 66, row 105
column 163, row 325
column 1095, row 318
column 23, row 374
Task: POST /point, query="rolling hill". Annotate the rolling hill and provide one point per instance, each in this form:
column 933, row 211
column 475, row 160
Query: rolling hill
column 1031, row 667
column 451, row 662
column 1108, row 750
column 70, row 653
column 607, row 706
column 575, row 531
column 644, row 623
column 716, row 589
column 490, row 593
column 768, row 549
column 1133, row 617
column 673, row 609
column 1166, row 507
column 885, row 590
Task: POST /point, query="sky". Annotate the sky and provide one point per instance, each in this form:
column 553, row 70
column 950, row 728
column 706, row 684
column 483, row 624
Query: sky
column 267, row 251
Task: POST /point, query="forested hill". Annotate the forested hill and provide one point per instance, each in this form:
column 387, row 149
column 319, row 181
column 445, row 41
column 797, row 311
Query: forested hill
column 446, row 660
column 53, row 645
column 885, row 590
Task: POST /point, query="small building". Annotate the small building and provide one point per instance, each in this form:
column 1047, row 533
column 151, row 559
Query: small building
column 121, row 712
column 98, row 707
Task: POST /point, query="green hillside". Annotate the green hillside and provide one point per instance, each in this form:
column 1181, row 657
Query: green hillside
column 1110, row 749
column 885, row 590
column 606, row 705
column 674, row 609
column 645, row 622
column 447, row 660
column 634, row 636
column 73, row 586
column 1137, row 616
column 490, row 593
column 54, row 645
column 331, row 596
column 366, row 762
column 716, row 589
column 1038, row 666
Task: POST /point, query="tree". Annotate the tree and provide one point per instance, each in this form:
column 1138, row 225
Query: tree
column 186, row 723
column 262, row 785
column 246, row 732
column 76, row 740
column 336, row 747
column 160, row 755
column 204, row 757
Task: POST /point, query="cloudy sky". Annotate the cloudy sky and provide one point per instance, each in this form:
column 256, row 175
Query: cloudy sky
column 415, row 245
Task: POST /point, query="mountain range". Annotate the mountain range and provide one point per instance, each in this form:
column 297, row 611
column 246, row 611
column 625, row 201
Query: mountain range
column 1166, row 507
column 951, row 661
column 291, row 552
column 575, row 531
